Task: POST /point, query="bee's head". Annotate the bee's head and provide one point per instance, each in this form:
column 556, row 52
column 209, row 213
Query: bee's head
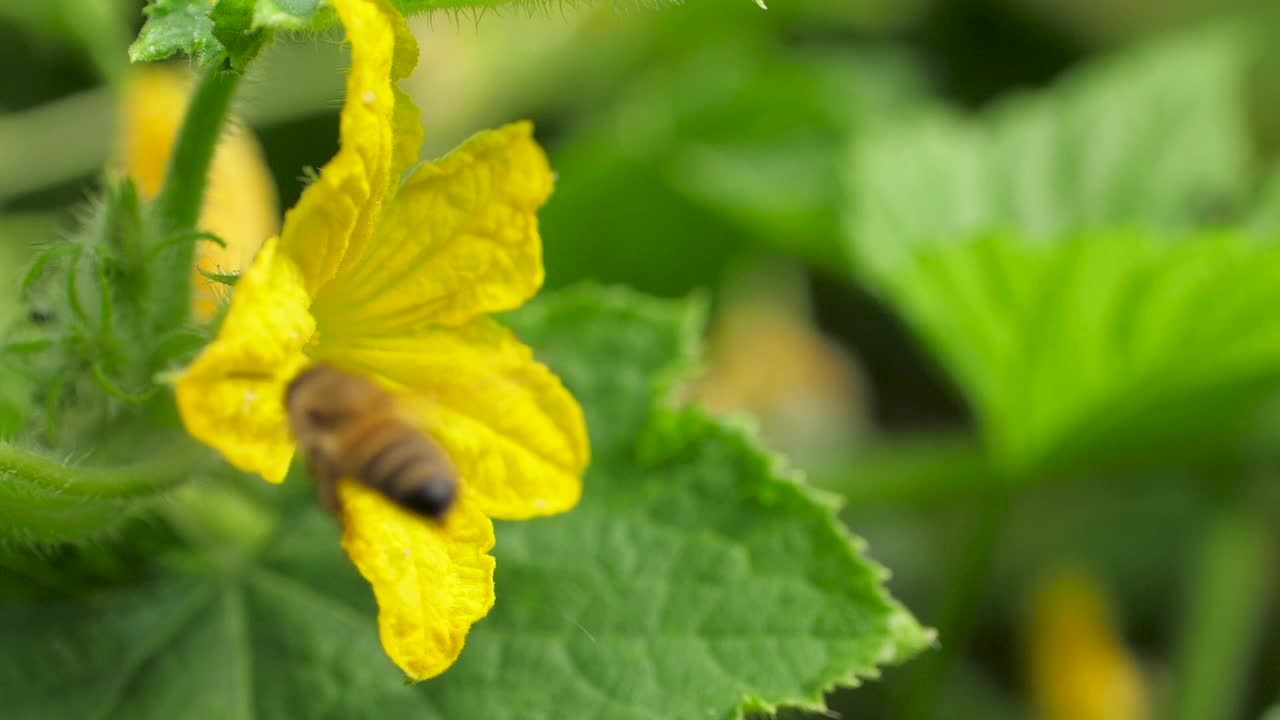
column 324, row 398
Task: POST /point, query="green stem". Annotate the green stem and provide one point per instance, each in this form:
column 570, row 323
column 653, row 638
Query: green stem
column 19, row 466
column 177, row 207
column 1224, row 613
column 959, row 609
column 44, row 502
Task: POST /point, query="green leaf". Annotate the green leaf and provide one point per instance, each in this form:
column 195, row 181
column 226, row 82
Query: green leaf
column 753, row 134
column 1155, row 137
column 696, row 579
column 1072, row 341
column 1102, row 345
column 645, row 250
column 177, row 26
column 234, row 26
column 206, row 31
column 729, row 142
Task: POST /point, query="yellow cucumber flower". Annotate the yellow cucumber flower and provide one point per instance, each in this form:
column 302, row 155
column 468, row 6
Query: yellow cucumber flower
column 1079, row 667
column 393, row 279
column 240, row 199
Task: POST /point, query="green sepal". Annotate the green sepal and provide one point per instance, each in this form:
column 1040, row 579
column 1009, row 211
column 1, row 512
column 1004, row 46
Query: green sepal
column 234, row 26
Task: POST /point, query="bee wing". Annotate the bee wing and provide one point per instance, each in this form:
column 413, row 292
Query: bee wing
column 412, row 409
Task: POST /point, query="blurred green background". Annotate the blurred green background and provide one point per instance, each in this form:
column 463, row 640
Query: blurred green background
column 782, row 161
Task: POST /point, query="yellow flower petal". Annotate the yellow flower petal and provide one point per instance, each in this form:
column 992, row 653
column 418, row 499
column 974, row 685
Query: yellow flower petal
column 514, row 433
column 408, row 137
column 232, row 396
column 1079, row 666
column 459, row 239
column 339, row 210
column 406, row 123
column 407, row 119
column 150, row 112
column 432, row 581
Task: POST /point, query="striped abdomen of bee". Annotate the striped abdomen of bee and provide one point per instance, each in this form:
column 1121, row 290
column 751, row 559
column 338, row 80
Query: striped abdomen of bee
column 349, row 427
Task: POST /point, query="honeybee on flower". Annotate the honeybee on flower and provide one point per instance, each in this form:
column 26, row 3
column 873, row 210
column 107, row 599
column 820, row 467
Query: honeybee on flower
column 391, row 281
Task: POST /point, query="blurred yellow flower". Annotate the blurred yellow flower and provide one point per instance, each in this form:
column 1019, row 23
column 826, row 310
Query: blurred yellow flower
column 768, row 359
column 1079, row 668
column 240, row 201
column 394, row 280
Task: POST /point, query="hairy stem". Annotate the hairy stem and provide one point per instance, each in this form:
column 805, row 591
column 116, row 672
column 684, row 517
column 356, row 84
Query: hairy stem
column 157, row 474
column 45, row 502
column 177, row 207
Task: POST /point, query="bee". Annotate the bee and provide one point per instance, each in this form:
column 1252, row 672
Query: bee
column 349, row 427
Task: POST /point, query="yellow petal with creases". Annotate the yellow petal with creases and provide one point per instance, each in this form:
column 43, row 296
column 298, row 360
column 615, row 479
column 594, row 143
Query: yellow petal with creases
column 459, row 239
column 232, row 396
column 433, row 581
column 513, row 431
column 340, row 209
column 406, row 119
column 406, row 126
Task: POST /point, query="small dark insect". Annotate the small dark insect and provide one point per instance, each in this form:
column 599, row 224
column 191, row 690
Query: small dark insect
column 349, row 427
column 38, row 316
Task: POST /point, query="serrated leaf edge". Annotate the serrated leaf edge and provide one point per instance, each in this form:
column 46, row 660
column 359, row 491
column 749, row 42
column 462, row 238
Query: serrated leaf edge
column 907, row 636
